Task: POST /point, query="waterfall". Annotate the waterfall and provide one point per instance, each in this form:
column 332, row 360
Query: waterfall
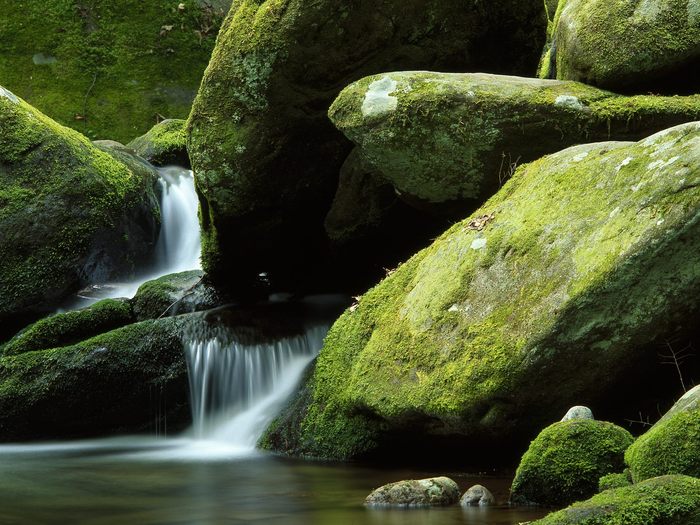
column 237, row 389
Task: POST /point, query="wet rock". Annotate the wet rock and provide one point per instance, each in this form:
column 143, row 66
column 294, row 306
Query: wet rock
column 477, row 496
column 431, row 492
column 578, row 412
column 174, row 294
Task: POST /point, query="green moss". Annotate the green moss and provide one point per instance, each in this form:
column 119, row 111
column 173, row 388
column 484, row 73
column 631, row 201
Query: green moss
column 614, row 481
column 672, row 446
column 586, row 259
column 668, row 500
column 108, row 69
column 618, row 44
column 71, row 327
column 123, row 380
column 164, row 144
column 564, row 463
column 159, row 297
column 65, row 210
column 458, row 137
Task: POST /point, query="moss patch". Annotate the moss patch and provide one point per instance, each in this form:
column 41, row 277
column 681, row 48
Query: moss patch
column 668, row 500
column 108, row 69
column 564, row 463
column 614, row 481
column 164, row 144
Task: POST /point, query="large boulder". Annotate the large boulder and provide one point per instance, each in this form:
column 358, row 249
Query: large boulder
column 108, row 69
column 627, row 45
column 554, row 293
column 265, row 156
column 69, row 212
column 566, row 460
column 127, row 380
column 668, row 500
column 672, row 445
column 447, row 142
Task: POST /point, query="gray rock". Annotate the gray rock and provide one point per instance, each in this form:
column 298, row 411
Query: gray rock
column 430, row 492
column 578, row 412
column 477, row 496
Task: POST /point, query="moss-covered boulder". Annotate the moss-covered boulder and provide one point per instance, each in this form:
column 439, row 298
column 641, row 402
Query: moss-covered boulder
column 69, row 212
column 668, row 500
column 108, row 69
column 164, row 144
column 67, row 328
column 627, row 45
column 566, row 460
column 130, row 379
column 265, row 155
column 615, row 480
column 552, row 294
column 672, row 445
column 430, row 492
column 449, row 141
column 174, row 294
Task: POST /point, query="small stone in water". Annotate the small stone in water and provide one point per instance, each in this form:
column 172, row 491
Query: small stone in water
column 478, row 495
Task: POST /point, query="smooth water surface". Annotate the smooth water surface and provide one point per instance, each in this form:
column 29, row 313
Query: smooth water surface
column 148, row 482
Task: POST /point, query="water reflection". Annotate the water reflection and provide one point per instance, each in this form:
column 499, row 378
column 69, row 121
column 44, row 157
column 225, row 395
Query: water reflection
column 126, row 482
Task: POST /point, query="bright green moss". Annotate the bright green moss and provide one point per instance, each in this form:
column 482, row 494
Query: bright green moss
column 108, row 69
column 668, row 500
column 614, row 481
column 164, row 144
column 68, row 211
column 442, row 137
column 68, row 328
column 587, row 256
column 617, row 44
column 672, row 446
column 564, row 463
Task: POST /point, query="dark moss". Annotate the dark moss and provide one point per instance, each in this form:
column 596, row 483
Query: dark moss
column 173, row 294
column 668, row 500
column 108, row 69
column 130, row 379
column 68, row 328
column 565, row 462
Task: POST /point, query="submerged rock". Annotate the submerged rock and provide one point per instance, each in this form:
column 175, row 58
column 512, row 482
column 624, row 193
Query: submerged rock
column 672, row 445
column 477, row 496
column 431, row 492
column 127, row 380
column 551, row 294
column 108, row 69
column 69, row 213
column 164, row 144
column 668, row 500
column 634, row 46
column 447, row 142
column 565, row 462
column 265, row 155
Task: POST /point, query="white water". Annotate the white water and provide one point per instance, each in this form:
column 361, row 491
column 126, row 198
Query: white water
column 178, row 247
column 236, row 390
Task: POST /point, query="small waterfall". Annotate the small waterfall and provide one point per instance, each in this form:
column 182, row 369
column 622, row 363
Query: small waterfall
column 237, row 389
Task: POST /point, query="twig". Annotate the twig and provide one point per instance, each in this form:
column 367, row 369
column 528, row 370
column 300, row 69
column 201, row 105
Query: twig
column 87, row 94
column 676, row 358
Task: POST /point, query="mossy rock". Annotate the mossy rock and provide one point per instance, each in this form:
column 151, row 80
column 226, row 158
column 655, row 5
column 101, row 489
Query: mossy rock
column 164, row 144
column 127, row 380
column 667, row 500
column 555, row 290
column 614, row 481
column 447, row 142
column 633, row 46
column 110, row 70
column 672, row 445
column 173, row 294
column 564, row 463
column 69, row 213
column 265, row 155
column 67, row 328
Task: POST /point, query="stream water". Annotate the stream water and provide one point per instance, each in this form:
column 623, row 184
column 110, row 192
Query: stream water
column 213, row 473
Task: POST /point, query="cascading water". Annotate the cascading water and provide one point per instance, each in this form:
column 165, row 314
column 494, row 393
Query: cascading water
column 237, row 389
